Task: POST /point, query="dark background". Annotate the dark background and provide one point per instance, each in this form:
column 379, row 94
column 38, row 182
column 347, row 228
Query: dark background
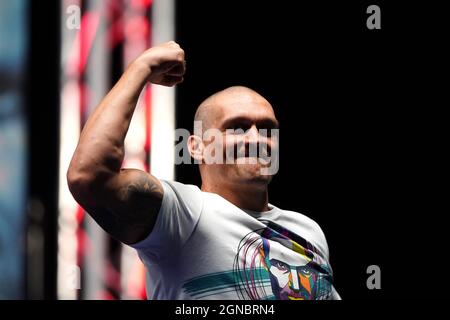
column 355, row 107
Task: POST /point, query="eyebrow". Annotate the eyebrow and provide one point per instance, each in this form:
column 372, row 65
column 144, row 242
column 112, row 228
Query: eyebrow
column 265, row 122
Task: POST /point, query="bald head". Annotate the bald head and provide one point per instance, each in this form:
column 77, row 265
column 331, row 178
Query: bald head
column 212, row 108
column 227, row 126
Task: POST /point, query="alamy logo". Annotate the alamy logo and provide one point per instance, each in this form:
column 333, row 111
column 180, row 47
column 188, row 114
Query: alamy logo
column 72, row 277
column 74, row 17
column 374, row 280
column 374, row 20
column 232, row 146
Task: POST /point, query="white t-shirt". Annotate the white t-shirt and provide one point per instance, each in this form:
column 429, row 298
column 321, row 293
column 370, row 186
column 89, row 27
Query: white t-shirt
column 204, row 247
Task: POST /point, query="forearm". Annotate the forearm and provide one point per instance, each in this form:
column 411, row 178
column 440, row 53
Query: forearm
column 100, row 150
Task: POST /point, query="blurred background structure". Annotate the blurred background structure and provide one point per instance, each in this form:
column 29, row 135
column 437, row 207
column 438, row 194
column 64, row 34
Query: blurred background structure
column 98, row 40
column 14, row 42
column 58, row 60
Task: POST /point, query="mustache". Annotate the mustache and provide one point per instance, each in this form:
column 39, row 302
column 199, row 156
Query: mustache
column 246, row 150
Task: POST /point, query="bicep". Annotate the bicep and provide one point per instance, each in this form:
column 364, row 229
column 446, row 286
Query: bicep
column 127, row 205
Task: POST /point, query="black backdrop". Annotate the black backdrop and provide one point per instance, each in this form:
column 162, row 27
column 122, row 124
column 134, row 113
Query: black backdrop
column 353, row 107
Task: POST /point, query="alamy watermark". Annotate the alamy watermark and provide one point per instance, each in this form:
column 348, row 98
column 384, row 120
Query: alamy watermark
column 374, row 280
column 72, row 277
column 374, row 20
column 73, row 17
column 232, row 146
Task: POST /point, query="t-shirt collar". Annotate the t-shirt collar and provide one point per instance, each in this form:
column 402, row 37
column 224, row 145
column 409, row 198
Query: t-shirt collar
column 269, row 214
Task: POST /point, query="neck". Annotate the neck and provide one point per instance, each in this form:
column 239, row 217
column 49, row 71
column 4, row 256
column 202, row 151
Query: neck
column 244, row 196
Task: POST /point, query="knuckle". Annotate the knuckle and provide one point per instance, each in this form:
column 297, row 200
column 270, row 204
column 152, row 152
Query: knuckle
column 180, row 55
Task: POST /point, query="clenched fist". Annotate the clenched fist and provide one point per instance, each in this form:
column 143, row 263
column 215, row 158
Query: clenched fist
column 165, row 63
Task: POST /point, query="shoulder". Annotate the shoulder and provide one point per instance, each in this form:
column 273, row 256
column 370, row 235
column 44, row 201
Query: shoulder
column 180, row 187
column 187, row 195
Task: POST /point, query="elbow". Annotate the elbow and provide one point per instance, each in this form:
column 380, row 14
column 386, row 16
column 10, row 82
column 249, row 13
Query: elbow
column 86, row 184
column 79, row 183
column 87, row 176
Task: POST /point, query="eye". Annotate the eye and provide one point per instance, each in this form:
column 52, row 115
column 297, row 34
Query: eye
column 280, row 265
column 305, row 271
column 239, row 127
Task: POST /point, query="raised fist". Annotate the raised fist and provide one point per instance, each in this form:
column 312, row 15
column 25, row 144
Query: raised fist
column 165, row 62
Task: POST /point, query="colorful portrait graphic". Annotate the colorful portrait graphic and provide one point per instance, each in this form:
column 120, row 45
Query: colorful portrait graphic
column 271, row 263
column 295, row 268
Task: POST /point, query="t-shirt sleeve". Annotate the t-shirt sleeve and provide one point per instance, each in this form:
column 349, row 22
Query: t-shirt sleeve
column 179, row 213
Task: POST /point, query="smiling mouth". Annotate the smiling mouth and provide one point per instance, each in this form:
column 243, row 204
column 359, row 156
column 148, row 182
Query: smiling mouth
column 295, row 298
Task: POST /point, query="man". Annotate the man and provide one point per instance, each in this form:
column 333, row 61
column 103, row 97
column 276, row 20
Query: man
column 223, row 241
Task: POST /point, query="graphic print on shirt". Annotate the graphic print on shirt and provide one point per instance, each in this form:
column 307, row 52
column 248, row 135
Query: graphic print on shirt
column 271, row 263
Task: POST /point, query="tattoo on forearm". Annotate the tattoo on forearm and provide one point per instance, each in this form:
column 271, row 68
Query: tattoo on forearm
column 140, row 196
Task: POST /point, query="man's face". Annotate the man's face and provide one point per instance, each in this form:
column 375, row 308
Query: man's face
column 245, row 122
column 291, row 282
column 291, row 276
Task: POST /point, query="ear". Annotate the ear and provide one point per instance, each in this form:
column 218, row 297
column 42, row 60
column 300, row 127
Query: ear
column 196, row 148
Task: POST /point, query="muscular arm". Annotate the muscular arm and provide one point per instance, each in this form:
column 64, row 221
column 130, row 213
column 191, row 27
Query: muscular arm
column 124, row 202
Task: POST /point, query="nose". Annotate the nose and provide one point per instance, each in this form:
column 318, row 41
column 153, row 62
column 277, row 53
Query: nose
column 294, row 279
column 252, row 135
